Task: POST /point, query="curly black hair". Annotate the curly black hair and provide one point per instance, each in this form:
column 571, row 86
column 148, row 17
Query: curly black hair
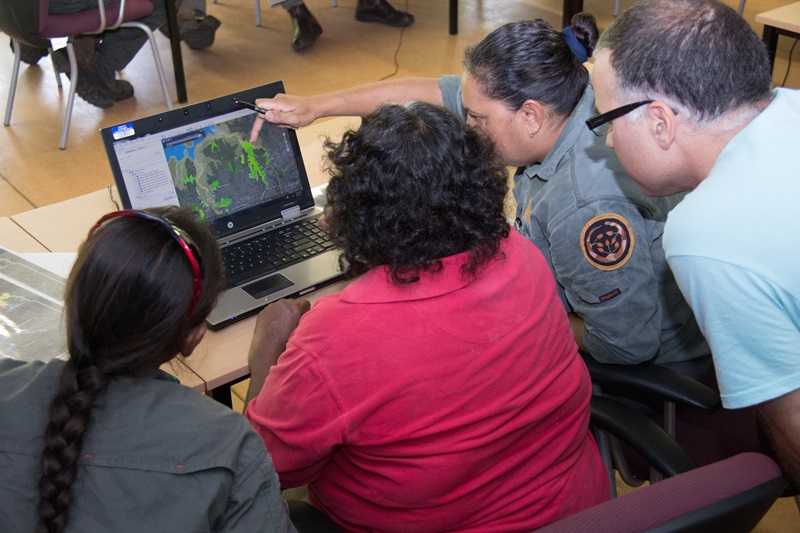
column 413, row 185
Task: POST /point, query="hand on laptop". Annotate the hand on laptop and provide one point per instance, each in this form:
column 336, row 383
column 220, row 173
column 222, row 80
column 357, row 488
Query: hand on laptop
column 322, row 221
column 284, row 111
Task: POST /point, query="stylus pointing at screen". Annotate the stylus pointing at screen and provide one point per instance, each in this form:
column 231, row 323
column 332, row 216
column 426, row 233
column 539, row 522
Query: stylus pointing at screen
column 248, row 105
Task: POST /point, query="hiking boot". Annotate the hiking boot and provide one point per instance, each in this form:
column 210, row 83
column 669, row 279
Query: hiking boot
column 120, row 90
column 29, row 54
column 306, row 27
column 197, row 32
column 90, row 87
column 381, row 11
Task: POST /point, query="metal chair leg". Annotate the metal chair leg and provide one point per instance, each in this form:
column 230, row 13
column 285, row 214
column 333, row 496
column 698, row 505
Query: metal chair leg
column 56, row 73
column 601, row 438
column 73, row 85
column 12, row 90
column 156, row 58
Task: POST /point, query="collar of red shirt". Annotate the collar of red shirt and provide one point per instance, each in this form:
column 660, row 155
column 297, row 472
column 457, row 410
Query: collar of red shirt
column 376, row 286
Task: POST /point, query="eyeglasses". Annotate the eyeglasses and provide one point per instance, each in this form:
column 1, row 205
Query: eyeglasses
column 601, row 124
column 181, row 237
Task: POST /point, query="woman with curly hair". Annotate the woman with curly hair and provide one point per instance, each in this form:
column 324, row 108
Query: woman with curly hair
column 526, row 87
column 105, row 441
column 442, row 389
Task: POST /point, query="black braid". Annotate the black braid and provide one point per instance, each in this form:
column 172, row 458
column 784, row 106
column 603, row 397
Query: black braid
column 132, row 260
column 70, row 418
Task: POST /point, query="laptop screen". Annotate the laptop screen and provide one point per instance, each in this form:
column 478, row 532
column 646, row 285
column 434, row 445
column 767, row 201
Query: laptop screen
column 201, row 157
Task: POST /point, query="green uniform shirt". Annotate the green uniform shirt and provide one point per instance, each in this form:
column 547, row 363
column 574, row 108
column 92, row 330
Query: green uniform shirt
column 158, row 456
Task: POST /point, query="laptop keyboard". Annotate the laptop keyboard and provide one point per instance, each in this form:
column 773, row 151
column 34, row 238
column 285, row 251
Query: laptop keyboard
column 273, row 251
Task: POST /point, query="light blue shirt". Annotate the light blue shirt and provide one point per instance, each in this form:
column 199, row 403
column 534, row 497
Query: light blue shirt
column 734, row 246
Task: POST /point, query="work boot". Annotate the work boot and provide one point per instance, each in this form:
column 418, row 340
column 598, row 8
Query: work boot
column 90, row 87
column 306, row 27
column 29, row 54
column 197, row 29
column 381, row 11
column 87, row 52
column 119, row 89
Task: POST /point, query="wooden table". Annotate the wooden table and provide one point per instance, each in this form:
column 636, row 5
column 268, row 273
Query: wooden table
column 63, row 226
column 221, row 359
column 13, row 237
column 781, row 21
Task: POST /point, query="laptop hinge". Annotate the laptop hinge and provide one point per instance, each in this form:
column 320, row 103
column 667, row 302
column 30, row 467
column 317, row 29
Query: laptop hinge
column 292, row 212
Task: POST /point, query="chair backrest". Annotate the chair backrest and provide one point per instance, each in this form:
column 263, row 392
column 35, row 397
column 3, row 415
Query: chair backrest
column 21, row 20
column 731, row 495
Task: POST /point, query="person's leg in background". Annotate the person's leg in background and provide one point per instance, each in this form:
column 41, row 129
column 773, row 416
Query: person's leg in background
column 197, row 28
column 307, row 29
column 101, row 57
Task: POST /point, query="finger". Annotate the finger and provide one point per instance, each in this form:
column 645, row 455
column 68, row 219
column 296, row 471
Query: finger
column 257, row 125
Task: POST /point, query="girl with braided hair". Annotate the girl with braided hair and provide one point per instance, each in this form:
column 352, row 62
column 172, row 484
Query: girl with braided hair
column 105, row 441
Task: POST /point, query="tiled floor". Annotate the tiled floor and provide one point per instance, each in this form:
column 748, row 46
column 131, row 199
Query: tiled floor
column 34, row 172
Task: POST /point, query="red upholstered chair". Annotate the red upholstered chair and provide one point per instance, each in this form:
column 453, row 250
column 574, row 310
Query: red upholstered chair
column 28, row 22
column 731, row 495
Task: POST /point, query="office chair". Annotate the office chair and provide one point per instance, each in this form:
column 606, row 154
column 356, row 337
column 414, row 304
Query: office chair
column 28, row 22
column 731, row 495
column 689, row 411
column 308, row 519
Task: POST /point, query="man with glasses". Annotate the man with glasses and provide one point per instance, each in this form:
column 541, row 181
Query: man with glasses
column 687, row 87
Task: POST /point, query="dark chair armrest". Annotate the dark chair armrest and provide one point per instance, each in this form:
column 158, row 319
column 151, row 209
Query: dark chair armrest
column 642, row 434
column 308, row 519
column 653, row 380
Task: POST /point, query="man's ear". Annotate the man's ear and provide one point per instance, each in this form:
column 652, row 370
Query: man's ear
column 663, row 123
column 193, row 339
column 533, row 114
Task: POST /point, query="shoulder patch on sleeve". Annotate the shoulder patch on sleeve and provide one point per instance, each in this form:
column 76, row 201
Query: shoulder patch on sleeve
column 607, row 241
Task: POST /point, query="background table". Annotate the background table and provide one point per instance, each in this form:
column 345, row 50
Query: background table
column 13, row 237
column 222, row 356
column 781, row 21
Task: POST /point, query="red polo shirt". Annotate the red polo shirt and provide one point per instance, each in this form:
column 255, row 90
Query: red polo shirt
column 452, row 403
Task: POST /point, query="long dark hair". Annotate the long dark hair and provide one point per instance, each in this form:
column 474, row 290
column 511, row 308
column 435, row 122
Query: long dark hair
column 127, row 311
column 412, row 185
column 530, row 60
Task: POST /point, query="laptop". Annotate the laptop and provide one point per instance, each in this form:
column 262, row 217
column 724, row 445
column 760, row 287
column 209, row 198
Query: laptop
column 256, row 196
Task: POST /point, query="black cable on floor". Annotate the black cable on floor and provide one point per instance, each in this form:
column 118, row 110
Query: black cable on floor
column 789, row 66
column 397, row 50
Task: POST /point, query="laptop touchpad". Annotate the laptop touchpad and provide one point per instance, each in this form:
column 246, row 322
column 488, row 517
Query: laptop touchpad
column 265, row 287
